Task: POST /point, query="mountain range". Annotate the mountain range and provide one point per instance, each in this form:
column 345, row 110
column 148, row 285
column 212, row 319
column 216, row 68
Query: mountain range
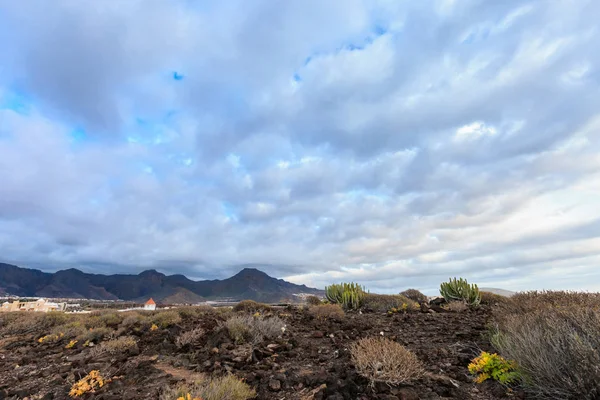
column 249, row 283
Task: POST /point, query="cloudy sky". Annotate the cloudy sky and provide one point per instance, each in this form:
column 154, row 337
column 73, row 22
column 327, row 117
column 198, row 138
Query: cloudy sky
column 393, row 143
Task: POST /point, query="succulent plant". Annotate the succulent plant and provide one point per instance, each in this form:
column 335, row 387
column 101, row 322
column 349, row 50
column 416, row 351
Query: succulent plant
column 460, row 290
column 348, row 295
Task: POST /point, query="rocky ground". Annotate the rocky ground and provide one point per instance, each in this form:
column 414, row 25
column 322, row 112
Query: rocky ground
column 310, row 360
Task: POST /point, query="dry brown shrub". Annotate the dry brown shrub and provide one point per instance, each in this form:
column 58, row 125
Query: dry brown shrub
column 553, row 337
column 246, row 328
column 17, row 323
column 415, row 295
column 457, row 306
column 313, row 301
column 382, row 360
column 492, row 299
column 327, row 311
column 227, row 387
column 385, row 302
column 121, row 345
column 189, row 337
column 94, row 335
column 251, row 306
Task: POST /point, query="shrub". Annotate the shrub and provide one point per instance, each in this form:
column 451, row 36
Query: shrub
column 22, row 323
column 189, row 337
column 164, row 319
column 53, row 318
column 224, row 388
column 460, row 289
column 134, row 319
column 192, row 312
column 313, row 301
column 349, row 295
column 71, row 344
column 382, row 360
column 251, row 306
column 557, row 349
column 523, row 302
column 415, row 295
column 70, row 330
column 385, row 302
column 492, row 366
column 327, row 311
column 121, row 345
column 457, row 306
column 88, row 384
column 490, row 299
column 94, row 335
column 245, row 328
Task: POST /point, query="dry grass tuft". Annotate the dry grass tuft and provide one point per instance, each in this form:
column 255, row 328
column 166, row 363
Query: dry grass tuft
column 327, row 312
column 245, row 328
column 492, row 299
column 189, row 337
column 224, row 388
column 553, row 337
column 121, row 345
column 382, row 360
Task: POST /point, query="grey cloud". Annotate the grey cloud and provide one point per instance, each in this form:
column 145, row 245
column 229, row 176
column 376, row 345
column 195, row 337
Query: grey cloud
column 359, row 171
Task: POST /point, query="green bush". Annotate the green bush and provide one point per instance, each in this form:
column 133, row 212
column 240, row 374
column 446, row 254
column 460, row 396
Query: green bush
column 492, row 366
column 460, row 290
column 249, row 329
column 164, row 319
column 349, row 295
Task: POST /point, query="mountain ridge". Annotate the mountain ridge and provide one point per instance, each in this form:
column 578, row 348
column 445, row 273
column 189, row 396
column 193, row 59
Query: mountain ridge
column 248, row 283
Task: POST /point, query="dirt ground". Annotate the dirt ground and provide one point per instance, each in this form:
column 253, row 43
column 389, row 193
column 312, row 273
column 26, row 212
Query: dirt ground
column 310, row 360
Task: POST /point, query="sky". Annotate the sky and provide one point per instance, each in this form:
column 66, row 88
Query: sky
column 391, row 143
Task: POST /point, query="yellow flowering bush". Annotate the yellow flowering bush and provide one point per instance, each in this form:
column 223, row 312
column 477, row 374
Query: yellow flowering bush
column 51, row 338
column 88, row 384
column 188, row 396
column 154, row 327
column 71, row 344
column 492, row 366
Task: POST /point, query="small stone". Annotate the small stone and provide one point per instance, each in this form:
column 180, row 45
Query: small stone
column 275, row 385
column 215, row 350
column 318, row 334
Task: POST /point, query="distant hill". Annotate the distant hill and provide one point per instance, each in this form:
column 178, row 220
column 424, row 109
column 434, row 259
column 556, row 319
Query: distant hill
column 249, row 283
column 501, row 292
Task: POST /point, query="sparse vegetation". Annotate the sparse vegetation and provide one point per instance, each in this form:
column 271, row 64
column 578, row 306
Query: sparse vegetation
column 387, row 302
column 492, row 299
column 227, row 387
column 189, row 337
column 553, row 337
column 415, row 295
column 164, row 319
column 383, row 360
column 460, row 290
column 251, row 306
column 349, row 295
column 327, row 312
column 121, row 345
column 249, row 329
column 313, row 301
